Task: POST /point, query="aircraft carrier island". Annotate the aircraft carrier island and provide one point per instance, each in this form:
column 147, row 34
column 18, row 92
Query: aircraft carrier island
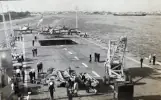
column 60, row 57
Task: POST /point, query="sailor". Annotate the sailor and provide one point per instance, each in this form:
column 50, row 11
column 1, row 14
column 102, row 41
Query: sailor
column 69, row 91
column 40, row 67
column 18, row 72
column 33, row 42
column 22, row 58
column 19, row 59
column 35, row 37
column 75, row 87
column 95, row 57
column 12, row 86
column 98, row 57
column 51, row 90
column 33, row 52
column 23, row 75
column 31, row 76
column 83, row 77
column 141, row 61
column 150, row 58
column 90, row 58
column 154, row 59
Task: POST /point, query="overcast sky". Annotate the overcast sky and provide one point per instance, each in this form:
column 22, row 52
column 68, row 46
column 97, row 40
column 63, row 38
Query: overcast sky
column 106, row 5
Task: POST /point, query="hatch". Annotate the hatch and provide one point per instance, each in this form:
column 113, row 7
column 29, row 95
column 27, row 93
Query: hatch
column 57, row 42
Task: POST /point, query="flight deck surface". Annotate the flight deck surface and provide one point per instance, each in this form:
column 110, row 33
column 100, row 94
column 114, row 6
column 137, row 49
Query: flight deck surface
column 76, row 56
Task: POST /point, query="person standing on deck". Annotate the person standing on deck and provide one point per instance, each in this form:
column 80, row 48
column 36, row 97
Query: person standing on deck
column 33, row 42
column 33, row 52
column 18, row 72
column 150, row 58
column 35, row 38
column 22, row 58
column 23, row 75
column 12, row 86
column 31, row 76
column 39, row 67
column 36, row 51
column 98, row 57
column 33, row 73
column 90, row 58
column 51, row 90
column 154, row 59
column 95, row 57
column 141, row 61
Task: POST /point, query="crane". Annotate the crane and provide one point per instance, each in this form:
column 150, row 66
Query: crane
column 115, row 74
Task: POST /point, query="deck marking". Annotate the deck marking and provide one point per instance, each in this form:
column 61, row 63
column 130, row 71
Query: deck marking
column 76, row 58
column 95, row 73
column 84, row 64
column 125, row 56
column 158, row 63
column 70, row 52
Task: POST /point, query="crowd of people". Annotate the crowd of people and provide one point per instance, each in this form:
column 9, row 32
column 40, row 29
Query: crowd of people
column 18, row 38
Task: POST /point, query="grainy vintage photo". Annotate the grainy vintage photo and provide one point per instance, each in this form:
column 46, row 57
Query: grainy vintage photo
column 80, row 50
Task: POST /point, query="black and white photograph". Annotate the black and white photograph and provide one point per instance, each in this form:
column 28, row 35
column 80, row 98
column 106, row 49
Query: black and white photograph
column 80, row 50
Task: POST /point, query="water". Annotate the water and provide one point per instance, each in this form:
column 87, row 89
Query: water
column 143, row 32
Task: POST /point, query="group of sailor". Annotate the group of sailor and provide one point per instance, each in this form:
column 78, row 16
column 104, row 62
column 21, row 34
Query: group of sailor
column 96, row 57
column 18, row 57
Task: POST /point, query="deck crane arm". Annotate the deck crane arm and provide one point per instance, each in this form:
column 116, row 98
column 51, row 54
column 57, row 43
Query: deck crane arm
column 114, row 64
column 114, row 68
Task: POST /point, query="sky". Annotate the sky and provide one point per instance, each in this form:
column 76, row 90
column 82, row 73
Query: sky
column 87, row 5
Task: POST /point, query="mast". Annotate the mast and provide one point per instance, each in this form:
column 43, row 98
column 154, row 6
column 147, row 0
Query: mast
column 5, row 28
column 10, row 20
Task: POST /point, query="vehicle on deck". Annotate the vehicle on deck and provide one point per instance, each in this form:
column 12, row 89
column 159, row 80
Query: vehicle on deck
column 91, row 84
column 83, row 34
column 26, row 29
column 62, row 77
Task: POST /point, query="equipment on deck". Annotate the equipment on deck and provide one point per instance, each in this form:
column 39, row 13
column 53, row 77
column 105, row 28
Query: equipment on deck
column 123, row 91
column 33, row 88
column 114, row 69
column 91, row 84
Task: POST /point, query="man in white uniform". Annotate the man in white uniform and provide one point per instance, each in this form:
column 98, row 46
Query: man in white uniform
column 18, row 71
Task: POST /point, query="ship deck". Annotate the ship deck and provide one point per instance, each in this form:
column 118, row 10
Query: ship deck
column 77, row 57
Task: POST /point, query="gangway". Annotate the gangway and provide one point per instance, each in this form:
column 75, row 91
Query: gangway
column 115, row 73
